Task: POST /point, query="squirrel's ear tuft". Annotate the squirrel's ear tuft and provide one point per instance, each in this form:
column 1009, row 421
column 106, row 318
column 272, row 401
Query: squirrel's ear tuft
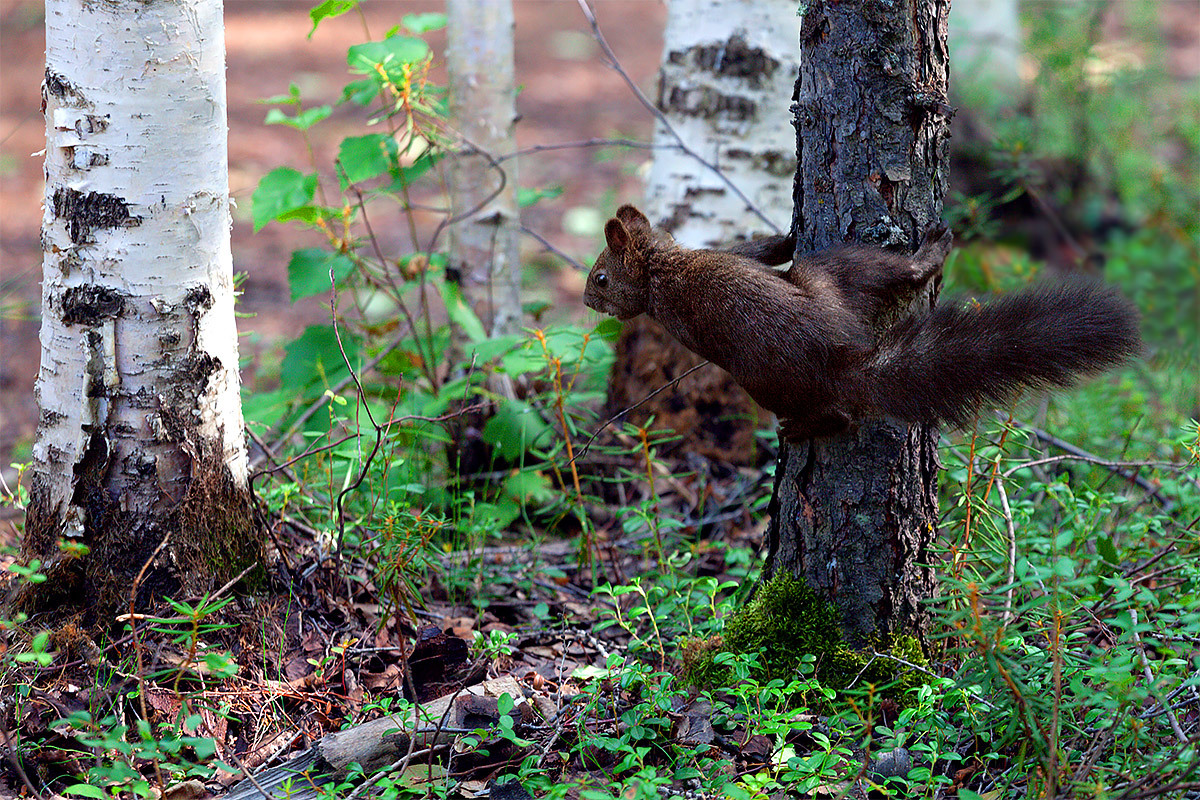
column 616, row 236
column 633, row 219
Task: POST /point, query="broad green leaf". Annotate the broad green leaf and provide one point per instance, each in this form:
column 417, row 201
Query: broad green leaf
column 328, row 10
column 514, row 428
column 529, row 485
column 361, row 92
column 424, row 23
column 280, row 191
column 490, row 349
column 460, row 313
column 315, row 357
column 308, row 270
column 525, row 359
column 302, row 121
column 495, row 516
column 364, row 157
column 391, row 53
column 405, row 176
column 609, row 329
column 1107, row 550
column 85, row 790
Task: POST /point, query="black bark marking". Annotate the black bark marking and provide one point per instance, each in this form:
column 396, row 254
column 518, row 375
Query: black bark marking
column 198, row 299
column 706, row 102
column 87, row 212
column 58, row 86
column 734, row 58
column 90, row 305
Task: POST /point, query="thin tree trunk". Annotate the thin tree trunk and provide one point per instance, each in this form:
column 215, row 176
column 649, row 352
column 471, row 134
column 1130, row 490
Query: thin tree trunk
column 728, row 67
column 483, row 244
column 854, row 516
column 140, row 439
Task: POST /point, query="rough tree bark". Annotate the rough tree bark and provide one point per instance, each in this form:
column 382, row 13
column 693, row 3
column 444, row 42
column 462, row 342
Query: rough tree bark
column 483, row 245
column 727, row 66
column 854, row 516
column 140, row 438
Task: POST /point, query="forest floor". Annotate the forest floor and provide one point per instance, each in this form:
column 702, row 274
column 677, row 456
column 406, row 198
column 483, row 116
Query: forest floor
column 333, row 643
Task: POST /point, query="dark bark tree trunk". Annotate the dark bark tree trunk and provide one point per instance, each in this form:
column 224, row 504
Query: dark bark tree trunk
column 855, row 515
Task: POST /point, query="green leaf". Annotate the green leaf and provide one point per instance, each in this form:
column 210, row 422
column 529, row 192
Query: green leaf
column 364, row 157
column 514, row 428
column 87, row 790
column 328, row 10
column 281, row 190
column 361, row 92
column 529, row 485
column 1107, row 550
column 424, row 23
column 291, row 98
column 308, row 270
column 491, row 349
column 609, row 329
column 495, row 516
column 404, row 177
column 315, row 356
column 527, row 197
column 460, row 313
column 302, row 121
column 525, row 359
column 392, row 53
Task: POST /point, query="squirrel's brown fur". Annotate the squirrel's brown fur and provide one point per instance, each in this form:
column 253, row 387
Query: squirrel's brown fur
column 823, row 345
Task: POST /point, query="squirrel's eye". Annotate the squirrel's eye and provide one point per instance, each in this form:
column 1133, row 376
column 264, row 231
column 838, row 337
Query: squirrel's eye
column 602, row 279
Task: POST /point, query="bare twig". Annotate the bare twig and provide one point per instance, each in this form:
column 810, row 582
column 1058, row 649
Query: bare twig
column 1082, row 454
column 624, row 411
column 1012, row 553
column 1141, row 649
column 525, row 229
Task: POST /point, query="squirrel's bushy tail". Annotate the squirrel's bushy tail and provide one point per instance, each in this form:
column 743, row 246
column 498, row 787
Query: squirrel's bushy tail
column 946, row 366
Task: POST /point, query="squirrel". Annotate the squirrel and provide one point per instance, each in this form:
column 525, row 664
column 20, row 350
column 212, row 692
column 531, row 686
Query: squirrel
column 827, row 343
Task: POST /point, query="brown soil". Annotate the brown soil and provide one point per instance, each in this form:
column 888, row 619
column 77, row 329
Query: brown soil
column 567, row 95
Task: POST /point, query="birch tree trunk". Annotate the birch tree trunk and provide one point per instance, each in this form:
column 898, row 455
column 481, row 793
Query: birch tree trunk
column 483, row 243
column 140, row 439
column 728, row 67
column 855, row 516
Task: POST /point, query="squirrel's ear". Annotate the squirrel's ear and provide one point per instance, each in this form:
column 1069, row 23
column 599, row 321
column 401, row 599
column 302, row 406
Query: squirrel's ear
column 616, row 236
column 633, row 219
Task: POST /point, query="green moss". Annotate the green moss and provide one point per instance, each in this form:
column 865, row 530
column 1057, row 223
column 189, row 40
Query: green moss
column 786, row 623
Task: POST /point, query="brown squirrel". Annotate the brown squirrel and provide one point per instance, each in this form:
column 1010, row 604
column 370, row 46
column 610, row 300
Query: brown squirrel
column 824, row 346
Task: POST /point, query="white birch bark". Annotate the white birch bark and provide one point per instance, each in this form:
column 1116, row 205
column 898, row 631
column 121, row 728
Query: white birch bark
column 138, row 381
column 728, row 68
column 483, row 244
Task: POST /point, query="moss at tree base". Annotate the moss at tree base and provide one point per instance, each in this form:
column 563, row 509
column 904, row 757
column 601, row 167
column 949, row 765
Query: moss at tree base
column 785, row 624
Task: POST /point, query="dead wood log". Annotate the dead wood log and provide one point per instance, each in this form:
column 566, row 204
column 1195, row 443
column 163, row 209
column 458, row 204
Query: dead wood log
column 372, row 745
